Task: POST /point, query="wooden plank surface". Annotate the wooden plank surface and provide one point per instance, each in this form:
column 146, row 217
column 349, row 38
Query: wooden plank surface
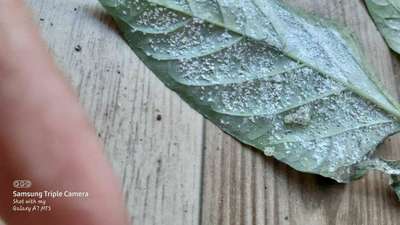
column 183, row 170
column 159, row 161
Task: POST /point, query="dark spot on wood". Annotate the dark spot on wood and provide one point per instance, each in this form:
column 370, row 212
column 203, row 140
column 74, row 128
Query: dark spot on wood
column 51, row 24
column 78, row 48
column 99, row 135
column 159, row 162
column 159, row 117
column 118, row 71
column 286, row 218
column 41, row 19
column 75, row 9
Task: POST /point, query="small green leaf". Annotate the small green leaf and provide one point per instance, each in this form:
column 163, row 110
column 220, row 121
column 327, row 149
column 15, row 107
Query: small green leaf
column 386, row 14
column 294, row 86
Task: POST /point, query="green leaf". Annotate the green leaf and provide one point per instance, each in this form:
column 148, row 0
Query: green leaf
column 386, row 14
column 386, row 166
column 293, row 86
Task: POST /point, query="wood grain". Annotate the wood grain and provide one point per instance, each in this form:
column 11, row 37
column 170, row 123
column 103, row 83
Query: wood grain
column 183, row 170
column 158, row 159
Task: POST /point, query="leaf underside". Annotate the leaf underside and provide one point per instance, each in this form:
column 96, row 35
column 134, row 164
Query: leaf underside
column 293, row 86
column 386, row 14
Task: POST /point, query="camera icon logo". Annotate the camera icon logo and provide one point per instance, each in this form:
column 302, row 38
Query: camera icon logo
column 22, row 184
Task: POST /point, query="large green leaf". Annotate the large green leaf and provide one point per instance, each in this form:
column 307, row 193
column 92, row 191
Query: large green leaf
column 293, row 86
column 386, row 14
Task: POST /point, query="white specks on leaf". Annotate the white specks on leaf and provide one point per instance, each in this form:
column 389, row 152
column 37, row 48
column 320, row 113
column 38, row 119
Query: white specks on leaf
column 269, row 151
column 301, row 116
column 291, row 86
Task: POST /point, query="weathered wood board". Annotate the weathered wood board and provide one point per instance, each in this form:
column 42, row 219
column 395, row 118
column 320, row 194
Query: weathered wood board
column 159, row 161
